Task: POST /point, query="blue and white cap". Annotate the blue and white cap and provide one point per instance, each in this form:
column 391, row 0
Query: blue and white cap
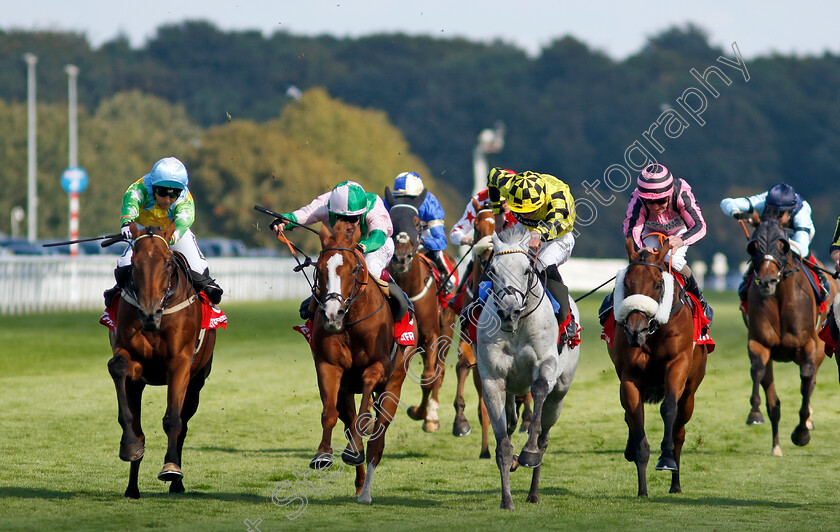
column 169, row 172
column 408, row 184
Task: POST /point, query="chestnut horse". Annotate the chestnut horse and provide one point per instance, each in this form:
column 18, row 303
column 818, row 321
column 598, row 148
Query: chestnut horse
column 782, row 325
column 483, row 226
column 655, row 358
column 158, row 341
column 354, row 352
column 412, row 271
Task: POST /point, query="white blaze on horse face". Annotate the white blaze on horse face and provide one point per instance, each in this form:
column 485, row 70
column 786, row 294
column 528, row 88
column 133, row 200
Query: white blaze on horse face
column 332, row 306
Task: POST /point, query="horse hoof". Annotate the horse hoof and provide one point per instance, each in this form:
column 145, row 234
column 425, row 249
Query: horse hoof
column 461, row 428
column 800, row 437
column 485, row 454
column 755, row 418
column 777, row 451
column 176, row 487
column 364, row 498
column 353, row 458
column 529, row 459
column 666, row 464
column 132, row 493
column 170, row 472
column 514, row 465
column 321, row 461
column 431, row 426
column 524, row 426
column 131, row 452
column 413, row 413
column 533, row 499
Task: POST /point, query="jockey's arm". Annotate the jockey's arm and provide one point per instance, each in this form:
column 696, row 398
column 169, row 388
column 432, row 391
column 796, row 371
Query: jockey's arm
column 803, row 231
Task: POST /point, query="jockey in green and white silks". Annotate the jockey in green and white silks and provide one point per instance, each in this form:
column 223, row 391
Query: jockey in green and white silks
column 159, row 199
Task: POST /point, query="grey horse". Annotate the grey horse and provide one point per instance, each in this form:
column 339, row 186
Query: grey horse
column 517, row 353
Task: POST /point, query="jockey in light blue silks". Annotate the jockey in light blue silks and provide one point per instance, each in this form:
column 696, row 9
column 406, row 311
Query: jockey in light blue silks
column 431, row 214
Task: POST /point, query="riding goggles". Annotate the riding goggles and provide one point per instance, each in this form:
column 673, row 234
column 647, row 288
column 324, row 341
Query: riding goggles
column 167, row 191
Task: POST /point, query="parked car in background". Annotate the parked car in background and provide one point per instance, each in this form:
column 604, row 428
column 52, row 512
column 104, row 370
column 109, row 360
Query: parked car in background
column 222, row 247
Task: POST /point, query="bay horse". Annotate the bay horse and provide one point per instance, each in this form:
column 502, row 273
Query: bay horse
column 483, row 226
column 656, row 359
column 158, row 341
column 782, row 326
column 517, row 352
column 352, row 339
column 412, row 272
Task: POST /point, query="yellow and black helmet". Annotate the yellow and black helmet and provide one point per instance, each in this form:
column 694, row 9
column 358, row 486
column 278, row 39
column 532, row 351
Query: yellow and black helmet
column 526, row 192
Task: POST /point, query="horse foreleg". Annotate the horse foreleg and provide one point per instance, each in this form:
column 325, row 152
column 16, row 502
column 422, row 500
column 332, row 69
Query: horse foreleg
column 676, row 373
column 498, row 410
column 685, row 409
column 177, row 382
column 466, row 358
column 187, row 412
column 808, row 377
column 759, row 356
column 386, row 408
column 353, row 451
column 774, row 404
column 527, row 413
column 530, row 455
column 637, row 450
column 134, row 395
column 123, row 370
column 329, row 382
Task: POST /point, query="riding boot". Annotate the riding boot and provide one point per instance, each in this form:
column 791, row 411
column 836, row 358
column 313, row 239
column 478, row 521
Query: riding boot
column 558, row 289
column 203, row 282
column 744, row 287
column 694, row 288
column 606, row 308
column 443, row 269
column 398, row 301
column 307, row 309
column 825, row 289
column 121, row 274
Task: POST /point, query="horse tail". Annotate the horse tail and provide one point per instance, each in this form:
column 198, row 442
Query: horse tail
column 654, row 395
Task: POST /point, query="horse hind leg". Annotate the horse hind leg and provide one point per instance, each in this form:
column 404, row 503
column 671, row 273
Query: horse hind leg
column 527, row 413
column 134, row 394
column 460, row 426
column 531, row 455
column 187, row 412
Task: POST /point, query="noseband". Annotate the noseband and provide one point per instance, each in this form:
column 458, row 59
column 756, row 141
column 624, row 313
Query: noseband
column 130, row 292
column 654, row 321
column 512, row 290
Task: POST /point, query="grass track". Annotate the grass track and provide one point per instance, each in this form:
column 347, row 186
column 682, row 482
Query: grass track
column 259, row 424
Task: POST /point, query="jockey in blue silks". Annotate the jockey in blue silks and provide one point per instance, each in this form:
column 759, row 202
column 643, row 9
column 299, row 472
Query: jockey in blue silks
column 431, row 214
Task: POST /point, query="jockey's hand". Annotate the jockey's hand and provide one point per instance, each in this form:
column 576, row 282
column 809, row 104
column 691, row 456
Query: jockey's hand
column 466, row 240
column 740, row 215
column 483, row 244
column 505, row 207
column 675, row 242
column 126, row 232
column 277, row 225
column 361, row 247
column 535, row 243
column 835, row 257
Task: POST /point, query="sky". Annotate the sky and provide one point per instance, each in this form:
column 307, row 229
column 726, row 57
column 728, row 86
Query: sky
column 617, row 28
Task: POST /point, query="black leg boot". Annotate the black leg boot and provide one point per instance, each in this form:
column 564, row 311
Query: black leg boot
column 744, row 287
column 204, row 283
column 398, row 301
column 121, row 275
column 692, row 287
column 305, row 311
column 443, row 270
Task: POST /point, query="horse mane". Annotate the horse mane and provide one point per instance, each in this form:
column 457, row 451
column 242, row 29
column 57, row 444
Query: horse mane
column 515, row 236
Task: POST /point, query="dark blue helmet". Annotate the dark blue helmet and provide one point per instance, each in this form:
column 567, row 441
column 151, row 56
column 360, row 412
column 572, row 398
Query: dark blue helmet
column 781, row 197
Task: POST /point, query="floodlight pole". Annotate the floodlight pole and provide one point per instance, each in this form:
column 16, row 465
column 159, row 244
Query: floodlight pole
column 32, row 150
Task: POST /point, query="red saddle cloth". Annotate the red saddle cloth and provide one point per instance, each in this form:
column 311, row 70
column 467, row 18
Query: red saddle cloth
column 211, row 317
column 697, row 314
column 403, row 330
column 443, row 298
column 829, row 339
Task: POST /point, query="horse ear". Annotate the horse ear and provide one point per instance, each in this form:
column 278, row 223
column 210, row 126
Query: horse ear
column 663, row 251
column 631, row 248
column 476, row 205
column 325, row 234
column 417, row 223
column 389, row 198
column 784, row 245
column 167, row 234
column 752, row 247
column 418, row 201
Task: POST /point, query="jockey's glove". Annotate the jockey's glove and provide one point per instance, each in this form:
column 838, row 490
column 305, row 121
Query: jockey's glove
column 126, row 232
column 483, row 244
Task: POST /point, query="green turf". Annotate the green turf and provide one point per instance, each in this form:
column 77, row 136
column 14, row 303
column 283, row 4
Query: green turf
column 259, row 425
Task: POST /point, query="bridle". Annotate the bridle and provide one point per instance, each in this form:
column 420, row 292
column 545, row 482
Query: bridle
column 531, row 282
column 654, row 324
column 358, row 286
column 130, row 292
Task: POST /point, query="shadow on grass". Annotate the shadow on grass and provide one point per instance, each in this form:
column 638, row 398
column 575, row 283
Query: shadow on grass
column 38, row 493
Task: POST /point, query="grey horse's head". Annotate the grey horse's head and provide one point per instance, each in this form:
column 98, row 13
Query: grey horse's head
column 512, row 274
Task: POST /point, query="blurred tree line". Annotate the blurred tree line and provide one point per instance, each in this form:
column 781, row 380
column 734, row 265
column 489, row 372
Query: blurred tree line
column 378, row 105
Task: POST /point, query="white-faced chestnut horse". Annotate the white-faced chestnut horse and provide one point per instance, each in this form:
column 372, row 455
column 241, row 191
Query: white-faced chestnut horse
column 354, row 353
column 158, row 341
